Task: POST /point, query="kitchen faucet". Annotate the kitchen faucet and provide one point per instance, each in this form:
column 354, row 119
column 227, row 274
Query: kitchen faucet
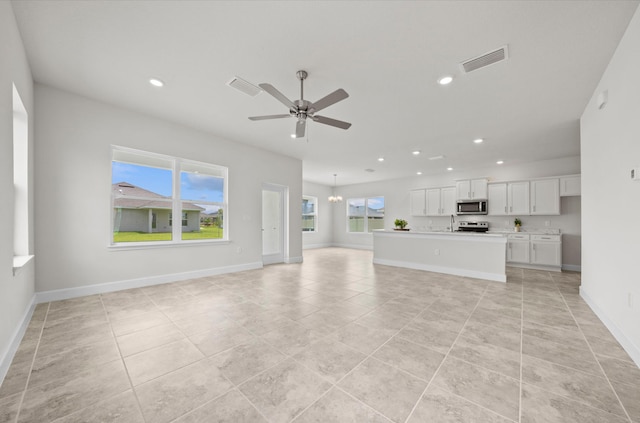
column 452, row 222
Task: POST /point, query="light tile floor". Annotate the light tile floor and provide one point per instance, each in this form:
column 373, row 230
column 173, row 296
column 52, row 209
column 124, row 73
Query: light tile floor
column 335, row 339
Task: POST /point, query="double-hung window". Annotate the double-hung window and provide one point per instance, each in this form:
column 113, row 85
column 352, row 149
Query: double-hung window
column 365, row 214
column 309, row 213
column 148, row 190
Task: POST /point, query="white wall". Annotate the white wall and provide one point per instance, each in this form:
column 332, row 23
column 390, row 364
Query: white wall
column 73, row 139
column 396, row 194
column 610, row 147
column 16, row 292
column 323, row 237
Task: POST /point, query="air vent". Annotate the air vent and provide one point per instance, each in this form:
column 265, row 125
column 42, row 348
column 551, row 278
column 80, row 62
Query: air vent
column 244, row 86
column 370, row 170
column 486, row 59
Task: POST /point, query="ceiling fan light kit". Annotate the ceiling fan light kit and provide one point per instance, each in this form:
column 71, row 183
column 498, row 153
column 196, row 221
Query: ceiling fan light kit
column 303, row 109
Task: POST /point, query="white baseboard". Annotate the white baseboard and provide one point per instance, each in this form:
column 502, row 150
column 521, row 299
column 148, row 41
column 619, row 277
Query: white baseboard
column 314, row 246
column 354, row 246
column 18, row 333
column 628, row 345
column 290, row 260
column 441, row 269
column 82, row 291
column 572, row 267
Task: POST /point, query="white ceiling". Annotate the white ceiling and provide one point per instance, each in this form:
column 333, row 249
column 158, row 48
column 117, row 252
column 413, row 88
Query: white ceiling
column 387, row 55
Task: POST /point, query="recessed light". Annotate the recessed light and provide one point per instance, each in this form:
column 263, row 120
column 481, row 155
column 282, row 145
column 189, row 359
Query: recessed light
column 381, row 159
column 293, row 135
column 445, row 80
column 436, row 157
column 156, row 82
column 499, row 162
column 449, row 168
column 418, row 173
column 478, row 140
column 415, row 152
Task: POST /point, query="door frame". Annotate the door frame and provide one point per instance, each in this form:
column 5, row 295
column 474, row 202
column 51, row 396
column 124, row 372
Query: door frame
column 284, row 195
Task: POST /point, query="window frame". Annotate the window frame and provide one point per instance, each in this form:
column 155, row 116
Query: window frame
column 176, row 201
column 366, row 216
column 314, row 214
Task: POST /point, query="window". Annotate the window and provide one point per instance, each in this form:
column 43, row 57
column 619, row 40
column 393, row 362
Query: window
column 309, row 213
column 149, row 189
column 20, row 181
column 365, row 214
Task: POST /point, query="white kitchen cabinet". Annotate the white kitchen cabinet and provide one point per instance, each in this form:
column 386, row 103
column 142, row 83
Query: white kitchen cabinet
column 570, row 186
column 471, row 189
column 518, row 248
column 546, row 250
column 509, row 199
column 518, row 198
column 440, row 201
column 418, row 202
column 545, row 196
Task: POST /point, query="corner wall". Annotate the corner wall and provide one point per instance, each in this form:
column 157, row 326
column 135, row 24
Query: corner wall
column 610, row 148
column 73, row 184
column 323, row 237
column 16, row 292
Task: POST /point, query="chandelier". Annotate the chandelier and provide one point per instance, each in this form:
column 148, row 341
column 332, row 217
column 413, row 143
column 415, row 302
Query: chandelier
column 334, row 198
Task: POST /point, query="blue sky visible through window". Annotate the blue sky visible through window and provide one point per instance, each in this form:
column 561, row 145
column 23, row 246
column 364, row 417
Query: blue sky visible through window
column 193, row 186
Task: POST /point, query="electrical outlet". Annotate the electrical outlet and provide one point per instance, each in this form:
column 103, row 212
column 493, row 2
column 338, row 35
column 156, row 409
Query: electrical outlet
column 437, row 252
column 239, row 250
column 547, row 223
column 431, row 222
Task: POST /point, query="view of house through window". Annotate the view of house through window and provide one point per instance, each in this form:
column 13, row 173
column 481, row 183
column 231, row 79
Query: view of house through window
column 365, row 214
column 149, row 189
column 309, row 213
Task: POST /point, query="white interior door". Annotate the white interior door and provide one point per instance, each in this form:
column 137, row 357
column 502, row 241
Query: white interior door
column 273, row 201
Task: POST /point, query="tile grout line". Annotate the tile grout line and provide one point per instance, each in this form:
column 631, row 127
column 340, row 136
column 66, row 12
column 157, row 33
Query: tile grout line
column 445, row 358
column 521, row 346
column 596, row 359
column 33, row 361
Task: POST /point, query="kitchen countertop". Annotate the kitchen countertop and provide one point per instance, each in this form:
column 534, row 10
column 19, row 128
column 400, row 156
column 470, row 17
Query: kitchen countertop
column 442, row 232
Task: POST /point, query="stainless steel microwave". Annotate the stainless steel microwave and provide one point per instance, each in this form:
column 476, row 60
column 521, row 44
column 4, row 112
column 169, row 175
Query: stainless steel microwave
column 471, row 207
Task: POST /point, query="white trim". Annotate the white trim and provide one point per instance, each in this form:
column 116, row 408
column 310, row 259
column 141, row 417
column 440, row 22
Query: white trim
column 313, row 246
column 534, row 266
column 7, row 355
column 628, row 345
column 63, row 294
column 290, row 260
column 572, row 267
column 19, row 262
column 442, row 269
column 354, row 246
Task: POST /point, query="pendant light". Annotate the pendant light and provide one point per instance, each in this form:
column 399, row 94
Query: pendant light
column 334, row 198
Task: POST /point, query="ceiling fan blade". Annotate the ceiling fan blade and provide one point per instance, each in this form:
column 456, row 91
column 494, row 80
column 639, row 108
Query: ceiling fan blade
column 268, row 117
column 333, row 122
column 278, row 95
column 300, row 127
column 326, row 101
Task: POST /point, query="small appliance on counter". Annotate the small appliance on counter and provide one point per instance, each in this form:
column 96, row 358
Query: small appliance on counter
column 473, row 226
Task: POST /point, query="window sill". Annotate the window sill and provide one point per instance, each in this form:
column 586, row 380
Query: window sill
column 163, row 244
column 19, row 262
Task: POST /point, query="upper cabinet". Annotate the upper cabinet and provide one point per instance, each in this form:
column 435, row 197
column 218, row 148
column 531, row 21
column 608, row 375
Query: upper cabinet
column 471, row 189
column 545, row 196
column 433, row 201
column 570, row 186
column 508, row 198
column 418, row 202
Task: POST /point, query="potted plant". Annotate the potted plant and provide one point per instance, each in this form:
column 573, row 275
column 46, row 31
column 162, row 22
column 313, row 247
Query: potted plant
column 400, row 225
column 517, row 222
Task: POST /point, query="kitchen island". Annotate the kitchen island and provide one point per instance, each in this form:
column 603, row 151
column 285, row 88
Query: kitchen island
column 474, row 255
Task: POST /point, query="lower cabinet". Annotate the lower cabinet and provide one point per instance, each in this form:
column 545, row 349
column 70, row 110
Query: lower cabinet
column 546, row 250
column 538, row 250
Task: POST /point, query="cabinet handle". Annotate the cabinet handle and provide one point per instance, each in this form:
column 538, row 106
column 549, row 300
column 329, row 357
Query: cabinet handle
column 511, row 208
column 473, row 194
column 534, row 208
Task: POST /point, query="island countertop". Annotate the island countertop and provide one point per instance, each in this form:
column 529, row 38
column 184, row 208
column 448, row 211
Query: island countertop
column 469, row 254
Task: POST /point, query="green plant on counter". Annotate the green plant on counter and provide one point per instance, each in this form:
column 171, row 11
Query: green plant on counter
column 400, row 223
column 517, row 222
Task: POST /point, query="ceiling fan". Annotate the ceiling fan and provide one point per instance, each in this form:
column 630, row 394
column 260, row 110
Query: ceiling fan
column 303, row 109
